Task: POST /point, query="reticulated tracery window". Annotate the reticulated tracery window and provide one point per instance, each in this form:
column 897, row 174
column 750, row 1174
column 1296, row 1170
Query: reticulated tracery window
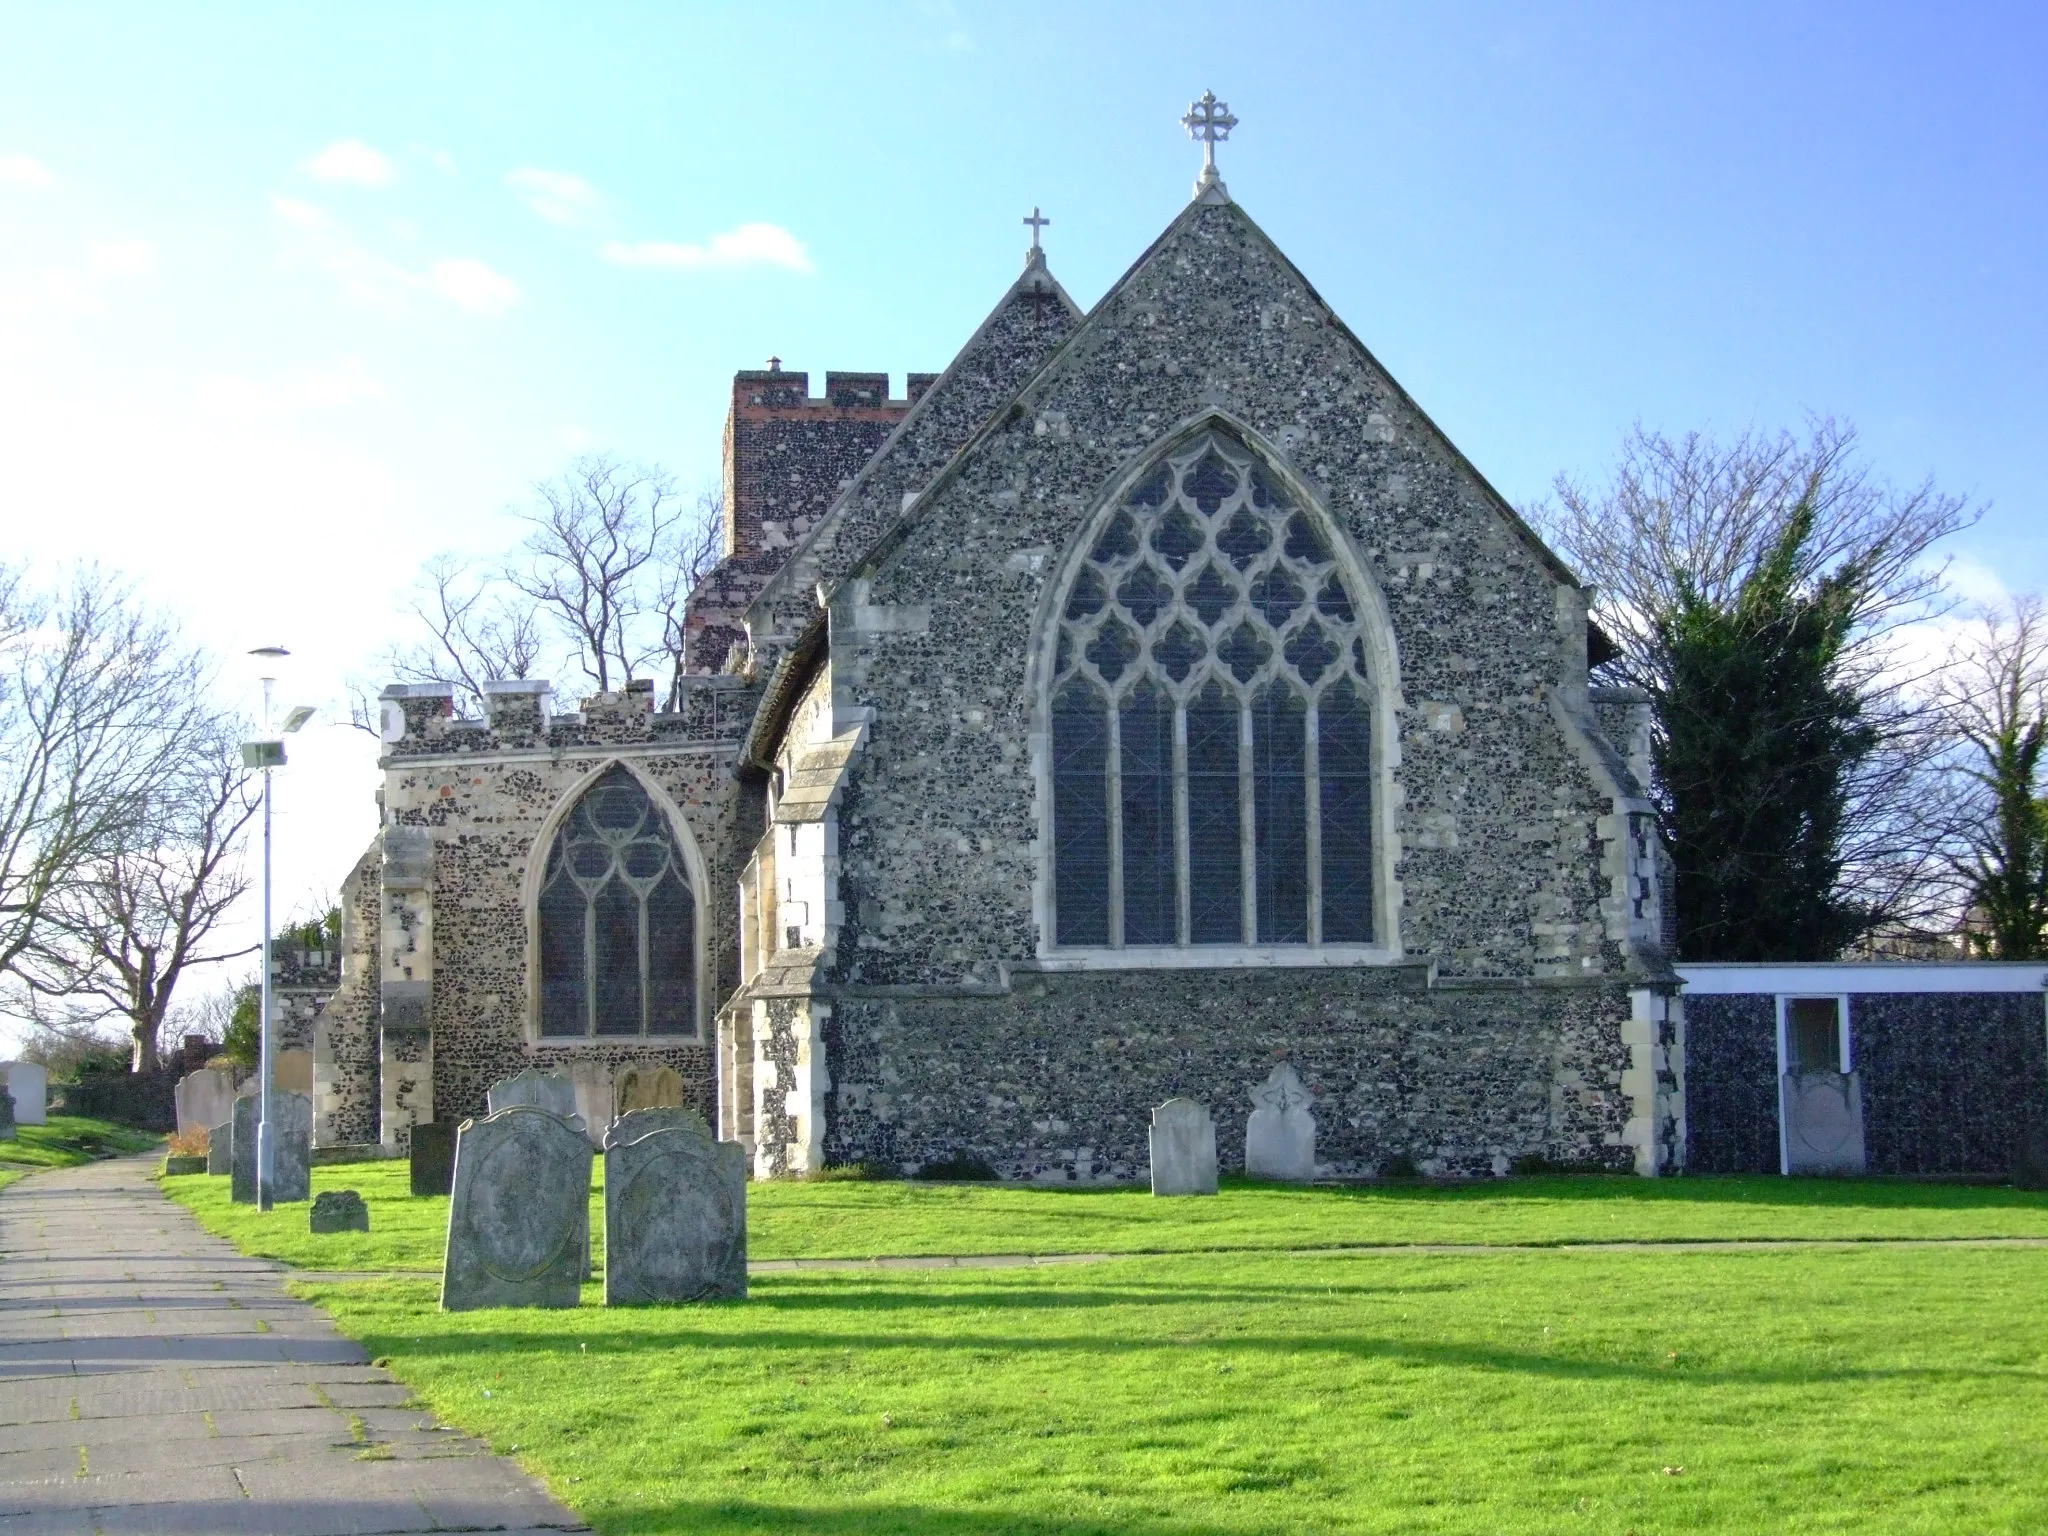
column 1211, row 723
column 618, row 925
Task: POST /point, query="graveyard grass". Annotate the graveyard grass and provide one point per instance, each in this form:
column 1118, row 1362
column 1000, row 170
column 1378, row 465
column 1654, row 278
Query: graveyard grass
column 816, row 1220
column 1184, row 1392
column 1858, row 1390
column 65, row 1142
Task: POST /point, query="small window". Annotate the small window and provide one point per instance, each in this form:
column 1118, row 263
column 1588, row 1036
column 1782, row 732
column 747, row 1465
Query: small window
column 1813, row 1034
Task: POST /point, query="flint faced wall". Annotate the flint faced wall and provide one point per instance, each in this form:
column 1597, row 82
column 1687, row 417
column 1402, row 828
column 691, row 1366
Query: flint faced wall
column 1055, row 1080
column 485, row 793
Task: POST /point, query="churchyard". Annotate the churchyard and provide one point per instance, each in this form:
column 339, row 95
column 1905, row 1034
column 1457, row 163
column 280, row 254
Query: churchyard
column 1213, row 1372
column 64, row 1141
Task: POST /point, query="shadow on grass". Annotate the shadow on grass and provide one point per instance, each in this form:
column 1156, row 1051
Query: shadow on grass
column 748, row 1516
column 744, row 1517
column 619, row 1346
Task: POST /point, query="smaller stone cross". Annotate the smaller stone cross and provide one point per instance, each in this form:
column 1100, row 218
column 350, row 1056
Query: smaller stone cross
column 1208, row 121
column 1037, row 221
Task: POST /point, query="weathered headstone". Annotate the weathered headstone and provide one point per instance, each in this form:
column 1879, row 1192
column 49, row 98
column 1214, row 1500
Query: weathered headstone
column 519, row 1222
column 433, row 1157
column 1183, row 1140
column 291, row 1157
column 649, row 1088
column 675, row 1213
column 204, row 1098
column 1280, row 1136
column 551, row 1091
column 340, row 1210
column 644, row 1122
column 292, row 1071
column 28, row 1085
column 7, row 1132
column 220, row 1147
column 1823, row 1120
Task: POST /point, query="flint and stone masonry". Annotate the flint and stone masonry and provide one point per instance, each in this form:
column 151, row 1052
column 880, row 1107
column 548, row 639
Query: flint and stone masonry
column 857, row 770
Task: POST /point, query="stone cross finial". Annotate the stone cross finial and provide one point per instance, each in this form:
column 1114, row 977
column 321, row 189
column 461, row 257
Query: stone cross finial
column 1208, row 121
column 1035, row 257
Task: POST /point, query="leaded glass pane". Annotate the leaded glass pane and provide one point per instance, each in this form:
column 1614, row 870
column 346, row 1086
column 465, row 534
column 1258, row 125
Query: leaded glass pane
column 1215, row 845
column 1145, row 731
column 1280, row 812
column 617, row 921
column 1080, row 816
column 1344, row 764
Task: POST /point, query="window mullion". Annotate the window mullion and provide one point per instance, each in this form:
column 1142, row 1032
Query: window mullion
column 646, row 989
column 1313, row 793
column 1182, row 894
column 1247, row 816
column 1116, row 824
column 590, row 960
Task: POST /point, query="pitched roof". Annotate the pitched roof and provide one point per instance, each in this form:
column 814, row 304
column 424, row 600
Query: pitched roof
column 1023, row 329
column 1188, row 243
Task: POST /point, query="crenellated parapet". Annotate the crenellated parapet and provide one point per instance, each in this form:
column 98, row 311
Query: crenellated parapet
column 418, row 720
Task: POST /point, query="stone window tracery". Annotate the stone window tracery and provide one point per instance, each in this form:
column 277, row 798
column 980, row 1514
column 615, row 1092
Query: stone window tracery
column 1210, row 721
column 617, row 921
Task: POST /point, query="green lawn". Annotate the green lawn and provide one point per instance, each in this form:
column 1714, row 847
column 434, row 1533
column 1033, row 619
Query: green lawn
column 65, row 1142
column 841, row 1220
column 1799, row 1390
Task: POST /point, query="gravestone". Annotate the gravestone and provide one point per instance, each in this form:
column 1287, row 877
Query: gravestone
column 28, row 1085
column 433, row 1157
column 1823, row 1120
column 519, row 1222
column 1280, row 1137
column 291, row 1157
column 649, row 1088
column 1183, row 1140
column 204, row 1098
column 7, row 1131
column 675, row 1212
column 551, row 1091
column 292, row 1071
column 220, row 1147
column 643, row 1122
column 340, row 1210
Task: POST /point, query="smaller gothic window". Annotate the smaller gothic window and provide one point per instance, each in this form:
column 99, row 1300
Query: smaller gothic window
column 618, row 940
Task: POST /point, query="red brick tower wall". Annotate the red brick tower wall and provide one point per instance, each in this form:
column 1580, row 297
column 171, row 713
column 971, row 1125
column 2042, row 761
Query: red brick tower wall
column 787, row 456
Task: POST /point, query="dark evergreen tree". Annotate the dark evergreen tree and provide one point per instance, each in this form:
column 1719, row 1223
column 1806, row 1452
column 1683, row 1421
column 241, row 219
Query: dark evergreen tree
column 1760, row 735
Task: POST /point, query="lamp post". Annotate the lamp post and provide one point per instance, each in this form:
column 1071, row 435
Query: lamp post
column 266, row 753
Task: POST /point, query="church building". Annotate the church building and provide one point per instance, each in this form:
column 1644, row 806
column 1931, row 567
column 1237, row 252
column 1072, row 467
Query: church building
column 1152, row 697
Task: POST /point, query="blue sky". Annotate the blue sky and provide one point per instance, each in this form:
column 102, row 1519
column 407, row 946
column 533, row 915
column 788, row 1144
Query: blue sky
column 293, row 297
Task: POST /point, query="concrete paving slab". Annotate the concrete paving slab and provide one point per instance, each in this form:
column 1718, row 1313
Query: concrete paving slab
column 154, row 1381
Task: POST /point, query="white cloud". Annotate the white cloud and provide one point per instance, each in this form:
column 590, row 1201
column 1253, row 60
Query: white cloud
column 557, row 196
column 352, row 162
column 749, row 245
column 469, row 284
column 18, row 170
column 124, row 258
column 320, row 242
column 301, row 215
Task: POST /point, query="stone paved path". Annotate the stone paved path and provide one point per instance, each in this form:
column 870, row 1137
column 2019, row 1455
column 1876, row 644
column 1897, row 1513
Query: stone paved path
column 154, row 1380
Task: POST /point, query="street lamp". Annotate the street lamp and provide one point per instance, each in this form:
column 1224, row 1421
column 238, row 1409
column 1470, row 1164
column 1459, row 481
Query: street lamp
column 266, row 753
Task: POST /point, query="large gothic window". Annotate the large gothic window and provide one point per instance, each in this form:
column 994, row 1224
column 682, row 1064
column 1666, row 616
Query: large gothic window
column 618, row 927
column 1211, row 724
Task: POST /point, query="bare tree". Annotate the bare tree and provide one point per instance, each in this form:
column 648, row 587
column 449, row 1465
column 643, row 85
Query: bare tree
column 1995, row 703
column 96, row 698
column 699, row 547
column 602, row 545
column 120, row 937
column 1688, row 521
